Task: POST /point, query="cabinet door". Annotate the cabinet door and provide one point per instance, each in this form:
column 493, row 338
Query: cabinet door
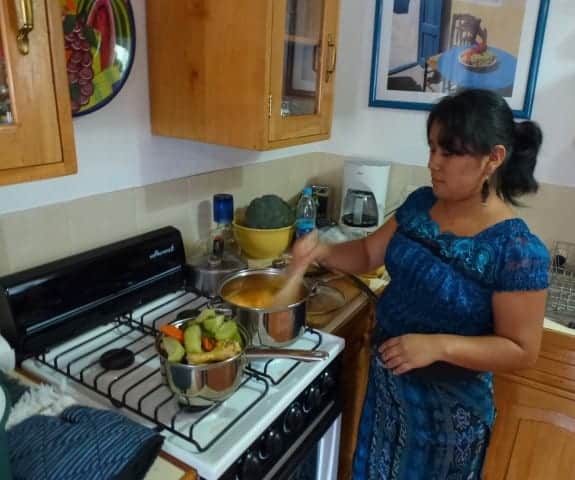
column 32, row 118
column 534, row 435
column 303, row 57
column 357, row 333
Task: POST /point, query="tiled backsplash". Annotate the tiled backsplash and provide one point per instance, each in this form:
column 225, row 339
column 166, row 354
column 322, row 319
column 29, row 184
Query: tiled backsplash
column 32, row 237
column 39, row 235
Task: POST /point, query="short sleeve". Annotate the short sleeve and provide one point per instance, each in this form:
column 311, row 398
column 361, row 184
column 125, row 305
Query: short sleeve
column 525, row 264
column 418, row 201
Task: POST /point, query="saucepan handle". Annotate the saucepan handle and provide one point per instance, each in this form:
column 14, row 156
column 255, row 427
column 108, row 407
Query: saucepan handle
column 285, row 353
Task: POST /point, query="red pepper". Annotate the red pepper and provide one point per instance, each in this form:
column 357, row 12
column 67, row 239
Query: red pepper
column 208, row 344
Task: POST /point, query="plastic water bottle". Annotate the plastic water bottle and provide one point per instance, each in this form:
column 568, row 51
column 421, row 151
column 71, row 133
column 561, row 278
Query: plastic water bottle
column 305, row 213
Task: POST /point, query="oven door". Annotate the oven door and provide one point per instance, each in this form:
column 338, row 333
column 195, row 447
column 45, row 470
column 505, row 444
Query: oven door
column 315, row 454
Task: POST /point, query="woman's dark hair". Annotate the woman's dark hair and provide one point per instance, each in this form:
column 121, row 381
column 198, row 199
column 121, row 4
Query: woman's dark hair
column 474, row 121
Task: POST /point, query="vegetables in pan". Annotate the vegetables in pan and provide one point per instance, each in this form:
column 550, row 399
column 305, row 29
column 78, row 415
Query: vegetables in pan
column 172, row 331
column 210, row 337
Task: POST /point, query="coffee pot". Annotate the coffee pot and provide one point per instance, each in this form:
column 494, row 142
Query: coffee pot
column 360, row 209
column 364, row 192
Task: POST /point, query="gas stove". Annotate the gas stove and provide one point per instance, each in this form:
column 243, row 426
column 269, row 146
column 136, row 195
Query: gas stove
column 62, row 317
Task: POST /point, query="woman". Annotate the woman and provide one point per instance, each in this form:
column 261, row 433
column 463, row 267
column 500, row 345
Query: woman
column 467, row 295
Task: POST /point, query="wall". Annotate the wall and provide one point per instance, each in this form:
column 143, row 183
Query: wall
column 38, row 235
column 116, row 150
column 399, row 135
column 117, row 153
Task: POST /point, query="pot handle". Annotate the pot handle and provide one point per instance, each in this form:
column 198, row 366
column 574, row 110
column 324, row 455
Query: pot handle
column 285, row 353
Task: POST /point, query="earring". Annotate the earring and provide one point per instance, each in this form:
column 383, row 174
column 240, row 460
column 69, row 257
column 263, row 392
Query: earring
column 485, row 191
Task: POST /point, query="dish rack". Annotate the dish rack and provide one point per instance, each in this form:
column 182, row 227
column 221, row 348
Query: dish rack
column 561, row 293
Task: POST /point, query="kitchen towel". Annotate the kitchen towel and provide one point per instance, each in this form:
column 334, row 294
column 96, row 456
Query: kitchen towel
column 82, row 442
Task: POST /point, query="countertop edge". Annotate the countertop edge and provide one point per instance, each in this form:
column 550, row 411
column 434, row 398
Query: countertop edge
column 345, row 314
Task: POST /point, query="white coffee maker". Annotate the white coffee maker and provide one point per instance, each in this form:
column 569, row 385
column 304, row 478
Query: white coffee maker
column 363, row 195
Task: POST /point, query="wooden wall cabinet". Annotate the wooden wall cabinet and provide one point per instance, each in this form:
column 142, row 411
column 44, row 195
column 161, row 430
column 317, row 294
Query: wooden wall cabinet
column 36, row 132
column 534, row 434
column 254, row 74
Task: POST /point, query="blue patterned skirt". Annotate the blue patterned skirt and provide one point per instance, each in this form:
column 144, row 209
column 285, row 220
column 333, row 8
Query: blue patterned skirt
column 413, row 427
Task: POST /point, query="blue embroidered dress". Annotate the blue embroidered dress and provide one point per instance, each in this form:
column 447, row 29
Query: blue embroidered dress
column 434, row 423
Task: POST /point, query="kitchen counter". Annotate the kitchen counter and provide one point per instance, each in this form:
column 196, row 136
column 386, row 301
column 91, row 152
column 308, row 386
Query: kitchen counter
column 549, row 324
column 164, row 470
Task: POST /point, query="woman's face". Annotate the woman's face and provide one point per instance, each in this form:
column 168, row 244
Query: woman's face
column 454, row 176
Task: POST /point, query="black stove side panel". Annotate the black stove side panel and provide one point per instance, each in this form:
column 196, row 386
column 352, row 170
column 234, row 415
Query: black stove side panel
column 51, row 303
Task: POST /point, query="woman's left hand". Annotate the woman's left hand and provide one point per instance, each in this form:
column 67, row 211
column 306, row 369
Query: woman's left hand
column 404, row 353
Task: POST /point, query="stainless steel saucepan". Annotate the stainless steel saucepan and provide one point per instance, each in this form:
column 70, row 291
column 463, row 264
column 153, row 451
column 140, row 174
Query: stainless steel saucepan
column 205, row 384
column 267, row 326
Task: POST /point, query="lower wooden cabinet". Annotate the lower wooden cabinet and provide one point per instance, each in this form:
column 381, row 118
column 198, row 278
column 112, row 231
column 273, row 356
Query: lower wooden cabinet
column 534, row 433
column 354, row 382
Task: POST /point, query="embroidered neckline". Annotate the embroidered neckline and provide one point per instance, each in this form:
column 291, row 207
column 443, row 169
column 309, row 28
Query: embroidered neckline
column 473, row 254
column 516, row 224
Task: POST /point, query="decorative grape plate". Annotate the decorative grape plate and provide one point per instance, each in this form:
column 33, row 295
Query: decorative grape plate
column 100, row 44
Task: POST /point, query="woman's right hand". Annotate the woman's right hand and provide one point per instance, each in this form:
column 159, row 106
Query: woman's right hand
column 307, row 250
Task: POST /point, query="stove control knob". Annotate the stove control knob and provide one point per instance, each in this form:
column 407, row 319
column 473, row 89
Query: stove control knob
column 312, row 399
column 294, row 419
column 327, row 382
column 271, row 445
column 252, row 467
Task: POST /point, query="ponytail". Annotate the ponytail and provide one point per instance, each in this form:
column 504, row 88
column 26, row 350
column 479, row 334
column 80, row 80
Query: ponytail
column 515, row 176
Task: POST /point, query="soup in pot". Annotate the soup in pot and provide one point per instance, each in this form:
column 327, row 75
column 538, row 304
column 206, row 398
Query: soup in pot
column 255, row 297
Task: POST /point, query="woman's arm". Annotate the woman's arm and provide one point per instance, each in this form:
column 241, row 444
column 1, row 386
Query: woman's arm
column 518, row 318
column 357, row 256
column 516, row 341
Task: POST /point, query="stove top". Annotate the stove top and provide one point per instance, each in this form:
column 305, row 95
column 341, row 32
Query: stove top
column 62, row 317
column 210, row 440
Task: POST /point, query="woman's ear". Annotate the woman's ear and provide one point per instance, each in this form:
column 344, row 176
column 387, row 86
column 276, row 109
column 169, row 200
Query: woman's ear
column 496, row 158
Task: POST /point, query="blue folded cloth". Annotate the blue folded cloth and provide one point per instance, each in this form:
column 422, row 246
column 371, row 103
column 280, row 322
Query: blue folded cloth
column 82, row 443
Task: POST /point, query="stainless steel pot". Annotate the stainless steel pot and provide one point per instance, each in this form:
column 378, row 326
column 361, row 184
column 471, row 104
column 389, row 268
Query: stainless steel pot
column 207, row 271
column 204, row 385
column 270, row 327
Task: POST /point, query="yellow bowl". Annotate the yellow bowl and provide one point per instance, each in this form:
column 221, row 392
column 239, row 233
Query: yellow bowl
column 263, row 242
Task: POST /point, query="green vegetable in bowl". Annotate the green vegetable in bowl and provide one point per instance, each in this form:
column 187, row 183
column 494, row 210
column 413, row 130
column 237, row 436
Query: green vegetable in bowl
column 269, row 211
column 174, row 349
column 209, row 337
column 212, row 324
column 193, row 339
column 227, row 331
column 204, row 315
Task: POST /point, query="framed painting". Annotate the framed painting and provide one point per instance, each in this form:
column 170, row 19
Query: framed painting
column 425, row 49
